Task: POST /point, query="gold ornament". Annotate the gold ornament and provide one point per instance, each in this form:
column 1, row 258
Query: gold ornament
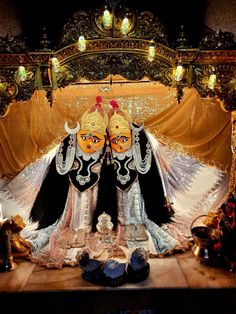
column 118, row 124
column 95, row 119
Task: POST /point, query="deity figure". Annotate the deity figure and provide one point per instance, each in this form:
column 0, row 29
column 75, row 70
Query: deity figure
column 142, row 200
column 68, row 199
column 107, row 166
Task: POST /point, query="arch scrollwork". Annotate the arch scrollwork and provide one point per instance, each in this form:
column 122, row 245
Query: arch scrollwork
column 109, row 51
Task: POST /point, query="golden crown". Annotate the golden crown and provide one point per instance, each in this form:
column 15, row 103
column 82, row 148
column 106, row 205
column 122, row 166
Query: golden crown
column 119, row 120
column 95, row 119
column 118, row 124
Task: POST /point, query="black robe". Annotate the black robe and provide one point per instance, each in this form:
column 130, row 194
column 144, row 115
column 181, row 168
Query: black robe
column 51, row 198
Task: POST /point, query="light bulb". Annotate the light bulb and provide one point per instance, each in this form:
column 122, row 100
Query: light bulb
column 106, row 19
column 82, row 43
column 151, row 51
column 125, row 26
column 179, row 73
column 55, row 64
column 21, row 73
column 212, row 79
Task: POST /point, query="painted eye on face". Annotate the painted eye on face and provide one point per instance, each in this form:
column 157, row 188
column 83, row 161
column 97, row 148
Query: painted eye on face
column 84, row 137
column 96, row 139
column 124, row 139
column 115, row 141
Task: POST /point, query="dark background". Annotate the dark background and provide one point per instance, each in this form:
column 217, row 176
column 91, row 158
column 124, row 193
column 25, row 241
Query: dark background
column 53, row 15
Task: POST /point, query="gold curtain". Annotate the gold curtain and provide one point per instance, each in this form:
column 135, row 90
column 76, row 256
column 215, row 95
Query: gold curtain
column 196, row 126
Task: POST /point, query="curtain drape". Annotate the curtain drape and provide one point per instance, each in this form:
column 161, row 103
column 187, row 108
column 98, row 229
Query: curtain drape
column 197, row 126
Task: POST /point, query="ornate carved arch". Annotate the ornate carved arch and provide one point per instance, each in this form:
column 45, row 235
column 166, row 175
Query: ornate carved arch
column 110, row 51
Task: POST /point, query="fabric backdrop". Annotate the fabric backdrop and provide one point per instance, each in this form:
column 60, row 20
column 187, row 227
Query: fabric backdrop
column 196, row 126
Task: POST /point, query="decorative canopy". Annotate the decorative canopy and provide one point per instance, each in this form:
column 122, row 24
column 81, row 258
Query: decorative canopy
column 98, row 44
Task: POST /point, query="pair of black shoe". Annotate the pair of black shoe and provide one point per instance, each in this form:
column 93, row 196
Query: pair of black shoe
column 114, row 273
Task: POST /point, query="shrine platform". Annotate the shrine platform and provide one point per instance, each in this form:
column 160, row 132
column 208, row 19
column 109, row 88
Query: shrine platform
column 176, row 284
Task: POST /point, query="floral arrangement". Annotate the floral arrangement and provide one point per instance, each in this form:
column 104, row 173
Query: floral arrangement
column 224, row 219
column 226, row 247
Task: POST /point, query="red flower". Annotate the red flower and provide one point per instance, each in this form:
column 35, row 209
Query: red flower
column 98, row 102
column 217, row 246
column 98, row 99
column 114, row 104
column 231, row 205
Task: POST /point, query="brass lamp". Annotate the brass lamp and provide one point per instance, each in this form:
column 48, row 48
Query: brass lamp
column 7, row 263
